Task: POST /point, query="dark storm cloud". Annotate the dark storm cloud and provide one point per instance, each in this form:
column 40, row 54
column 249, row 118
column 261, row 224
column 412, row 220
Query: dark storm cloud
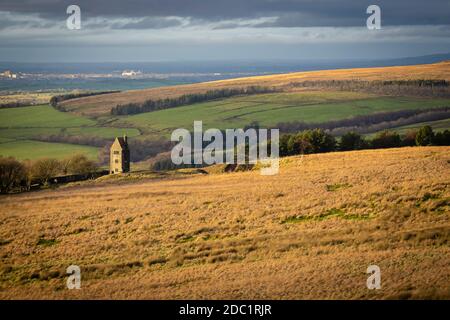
column 288, row 13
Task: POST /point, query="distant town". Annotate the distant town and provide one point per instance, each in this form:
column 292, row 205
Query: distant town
column 9, row 74
column 44, row 80
column 125, row 74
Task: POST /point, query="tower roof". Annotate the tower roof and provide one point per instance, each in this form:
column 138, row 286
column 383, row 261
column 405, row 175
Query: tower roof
column 123, row 142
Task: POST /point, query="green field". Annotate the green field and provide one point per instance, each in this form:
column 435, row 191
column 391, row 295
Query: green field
column 3, row 140
column 439, row 125
column 28, row 149
column 20, row 126
column 42, row 116
column 269, row 109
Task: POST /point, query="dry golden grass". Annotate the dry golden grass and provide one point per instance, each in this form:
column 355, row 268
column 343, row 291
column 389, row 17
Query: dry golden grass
column 309, row 232
column 30, row 98
column 102, row 104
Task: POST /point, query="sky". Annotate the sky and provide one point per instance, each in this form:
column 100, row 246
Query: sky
column 185, row 30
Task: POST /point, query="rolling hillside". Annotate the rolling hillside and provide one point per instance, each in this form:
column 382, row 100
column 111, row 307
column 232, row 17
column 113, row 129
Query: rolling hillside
column 271, row 109
column 22, row 128
column 101, row 105
column 24, row 131
column 42, row 131
column 308, row 233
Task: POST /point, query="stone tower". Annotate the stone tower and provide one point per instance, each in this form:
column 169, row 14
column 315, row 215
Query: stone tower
column 119, row 160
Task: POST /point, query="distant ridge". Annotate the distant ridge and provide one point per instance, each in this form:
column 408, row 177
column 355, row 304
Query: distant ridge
column 101, row 105
column 432, row 58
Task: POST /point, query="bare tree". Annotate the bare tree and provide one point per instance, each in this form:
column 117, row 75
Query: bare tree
column 44, row 169
column 12, row 172
column 78, row 164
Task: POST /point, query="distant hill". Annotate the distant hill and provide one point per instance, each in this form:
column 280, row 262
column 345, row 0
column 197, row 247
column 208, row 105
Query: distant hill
column 101, row 105
column 432, row 58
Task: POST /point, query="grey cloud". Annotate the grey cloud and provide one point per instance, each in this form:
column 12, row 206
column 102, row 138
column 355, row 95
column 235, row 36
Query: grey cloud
column 151, row 23
column 292, row 20
column 9, row 23
column 290, row 13
column 8, row 20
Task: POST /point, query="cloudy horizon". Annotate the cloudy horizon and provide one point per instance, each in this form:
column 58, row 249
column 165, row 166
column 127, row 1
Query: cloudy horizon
column 35, row 30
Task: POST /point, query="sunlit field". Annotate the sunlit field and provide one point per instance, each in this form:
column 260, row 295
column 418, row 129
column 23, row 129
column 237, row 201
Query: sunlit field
column 21, row 130
column 271, row 109
column 309, row 232
column 101, row 105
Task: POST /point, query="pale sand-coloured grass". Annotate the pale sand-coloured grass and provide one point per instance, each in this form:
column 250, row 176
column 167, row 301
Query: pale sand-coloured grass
column 30, row 98
column 309, row 232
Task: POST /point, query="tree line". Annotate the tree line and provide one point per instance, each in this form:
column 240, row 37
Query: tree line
column 369, row 123
column 16, row 175
column 420, row 87
column 16, row 104
column 319, row 140
column 375, row 83
column 186, row 99
column 142, row 149
column 20, row 176
column 62, row 137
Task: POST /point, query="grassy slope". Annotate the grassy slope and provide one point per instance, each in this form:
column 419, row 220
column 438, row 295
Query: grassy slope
column 27, row 123
column 101, row 105
column 30, row 98
column 439, row 125
column 269, row 109
column 18, row 127
column 28, row 149
column 101, row 132
column 42, row 116
column 309, row 232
